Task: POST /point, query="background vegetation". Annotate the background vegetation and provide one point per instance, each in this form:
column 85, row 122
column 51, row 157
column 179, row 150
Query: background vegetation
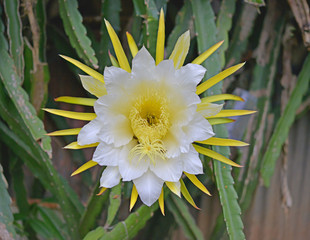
column 48, row 204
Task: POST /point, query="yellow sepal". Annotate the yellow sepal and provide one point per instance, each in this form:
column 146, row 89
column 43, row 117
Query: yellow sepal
column 84, row 167
column 134, row 197
column 217, row 78
column 186, row 195
column 221, row 97
column 75, row 145
column 215, row 121
column 212, row 154
column 102, row 190
column 223, row 142
column 173, row 188
column 132, row 44
column 118, row 49
column 84, row 68
column 161, row 202
column 77, row 100
column 197, row 183
column 113, row 60
column 73, row 115
column 65, row 132
column 180, row 50
column 202, row 57
column 232, row 113
column 160, row 46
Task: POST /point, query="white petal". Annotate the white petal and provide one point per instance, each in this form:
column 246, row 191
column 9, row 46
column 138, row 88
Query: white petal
column 191, row 162
column 209, row 109
column 93, row 86
column 143, row 66
column 115, row 79
column 198, row 129
column 110, row 177
column 149, row 187
column 132, row 168
column 169, row 170
column 89, row 133
column 107, row 154
column 165, row 71
column 119, row 132
column 190, row 75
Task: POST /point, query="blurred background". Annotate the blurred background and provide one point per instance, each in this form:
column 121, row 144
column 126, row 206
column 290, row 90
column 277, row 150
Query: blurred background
column 268, row 198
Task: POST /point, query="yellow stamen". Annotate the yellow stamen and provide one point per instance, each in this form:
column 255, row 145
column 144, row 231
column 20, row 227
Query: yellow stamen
column 84, row 68
column 84, row 167
column 217, row 78
column 134, row 197
column 77, row 100
column 202, row 57
column 73, row 115
column 132, row 44
column 212, row 154
column 119, row 51
column 65, row 132
column 160, row 47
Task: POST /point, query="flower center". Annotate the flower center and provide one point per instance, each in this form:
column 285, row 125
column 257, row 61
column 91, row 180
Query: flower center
column 149, row 118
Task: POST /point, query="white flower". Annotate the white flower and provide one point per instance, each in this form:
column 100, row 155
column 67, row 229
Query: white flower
column 146, row 124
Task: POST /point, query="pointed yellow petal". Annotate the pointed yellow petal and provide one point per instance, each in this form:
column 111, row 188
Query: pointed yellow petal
column 186, row 195
column 134, row 197
column 232, row 113
column 174, row 188
column 93, row 85
column 102, row 190
column 73, row 115
column 221, row 97
column 132, row 45
column 223, row 142
column 180, row 50
column 212, row 154
column 202, row 57
column 84, row 68
column 197, row 183
column 77, row 100
column 113, row 60
column 160, row 46
column 65, row 132
column 215, row 121
column 217, row 78
column 161, row 202
column 75, row 145
column 118, row 49
column 84, row 167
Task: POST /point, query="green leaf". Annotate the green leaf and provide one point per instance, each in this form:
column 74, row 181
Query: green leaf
column 183, row 22
column 115, row 202
column 204, row 19
column 14, row 30
column 76, row 31
column 6, row 216
column 256, row 3
column 285, row 122
column 95, row 234
column 223, row 24
column 183, row 217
